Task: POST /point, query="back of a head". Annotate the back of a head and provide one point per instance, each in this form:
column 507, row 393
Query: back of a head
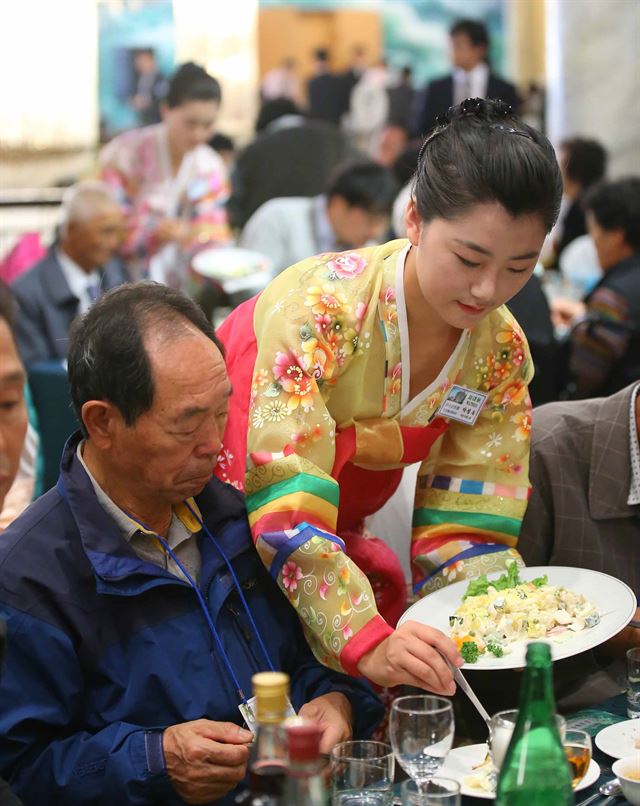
column 474, row 29
column 478, row 153
column 365, row 184
column 107, row 357
column 616, row 206
column 586, row 160
column 190, row 82
column 273, row 110
column 321, row 55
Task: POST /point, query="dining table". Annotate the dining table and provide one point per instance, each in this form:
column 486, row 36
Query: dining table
column 592, row 720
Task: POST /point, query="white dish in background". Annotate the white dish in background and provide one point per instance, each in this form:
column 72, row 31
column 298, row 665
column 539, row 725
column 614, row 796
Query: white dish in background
column 614, row 600
column 620, row 740
column 460, row 762
column 225, row 263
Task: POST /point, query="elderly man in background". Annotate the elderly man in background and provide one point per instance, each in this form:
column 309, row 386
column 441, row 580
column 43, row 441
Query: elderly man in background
column 137, row 607
column 79, row 267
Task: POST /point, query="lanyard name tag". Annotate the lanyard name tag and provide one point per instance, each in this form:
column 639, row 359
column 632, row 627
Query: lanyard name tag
column 248, row 711
column 462, row 404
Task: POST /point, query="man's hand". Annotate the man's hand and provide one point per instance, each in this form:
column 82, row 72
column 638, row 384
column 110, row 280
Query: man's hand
column 333, row 713
column 413, row 655
column 566, row 311
column 205, row 759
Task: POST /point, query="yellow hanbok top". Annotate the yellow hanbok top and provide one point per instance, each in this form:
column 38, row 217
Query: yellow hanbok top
column 331, row 351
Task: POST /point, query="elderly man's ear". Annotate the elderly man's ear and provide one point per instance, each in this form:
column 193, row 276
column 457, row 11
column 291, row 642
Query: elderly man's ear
column 100, row 418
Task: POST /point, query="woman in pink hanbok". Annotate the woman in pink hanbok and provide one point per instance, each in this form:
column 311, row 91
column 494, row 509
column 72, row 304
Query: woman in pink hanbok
column 172, row 184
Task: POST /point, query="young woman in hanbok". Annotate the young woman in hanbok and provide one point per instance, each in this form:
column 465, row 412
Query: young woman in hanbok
column 172, row 184
column 349, row 367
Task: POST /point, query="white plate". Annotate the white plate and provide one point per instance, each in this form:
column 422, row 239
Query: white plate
column 614, row 600
column 461, row 761
column 225, row 263
column 619, row 740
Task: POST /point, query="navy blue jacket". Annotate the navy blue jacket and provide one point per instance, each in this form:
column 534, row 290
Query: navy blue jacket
column 105, row 650
column 47, row 307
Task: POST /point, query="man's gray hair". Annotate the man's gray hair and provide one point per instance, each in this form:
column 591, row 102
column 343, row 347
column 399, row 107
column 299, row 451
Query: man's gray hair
column 84, row 200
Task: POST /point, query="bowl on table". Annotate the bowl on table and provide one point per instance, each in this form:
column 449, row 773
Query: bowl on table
column 627, row 771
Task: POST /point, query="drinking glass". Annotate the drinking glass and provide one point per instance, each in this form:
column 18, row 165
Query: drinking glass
column 421, row 732
column 362, row 774
column 436, row 792
column 501, row 729
column 633, row 683
column 577, row 748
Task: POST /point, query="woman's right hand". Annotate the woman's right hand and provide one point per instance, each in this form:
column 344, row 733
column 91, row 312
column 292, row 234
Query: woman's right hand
column 413, row 655
column 170, row 229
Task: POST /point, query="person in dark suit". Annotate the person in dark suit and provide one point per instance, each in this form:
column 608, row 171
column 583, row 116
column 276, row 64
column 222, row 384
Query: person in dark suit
column 401, row 100
column 471, row 77
column 325, row 91
column 151, row 87
column 291, row 156
column 78, row 268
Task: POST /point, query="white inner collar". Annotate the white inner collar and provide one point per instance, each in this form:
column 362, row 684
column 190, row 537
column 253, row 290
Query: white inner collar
column 407, row 405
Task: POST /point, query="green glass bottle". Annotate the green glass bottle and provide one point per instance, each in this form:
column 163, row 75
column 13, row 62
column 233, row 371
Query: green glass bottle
column 535, row 771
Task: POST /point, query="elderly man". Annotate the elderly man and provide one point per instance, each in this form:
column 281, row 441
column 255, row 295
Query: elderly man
column 585, row 512
column 13, row 412
column 137, row 607
column 76, row 271
column 13, row 428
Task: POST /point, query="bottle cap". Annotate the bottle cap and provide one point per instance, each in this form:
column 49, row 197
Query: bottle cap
column 304, row 741
column 271, row 690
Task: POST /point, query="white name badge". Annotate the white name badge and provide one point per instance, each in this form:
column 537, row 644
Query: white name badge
column 248, row 711
column 462, row 404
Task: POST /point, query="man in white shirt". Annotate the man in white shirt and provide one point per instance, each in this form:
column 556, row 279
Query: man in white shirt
column 471, row 77
column 352, row 213
column 78, row 268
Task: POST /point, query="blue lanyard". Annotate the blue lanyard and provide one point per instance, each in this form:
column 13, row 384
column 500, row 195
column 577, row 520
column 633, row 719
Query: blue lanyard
column 62, row 490
column 202, row 602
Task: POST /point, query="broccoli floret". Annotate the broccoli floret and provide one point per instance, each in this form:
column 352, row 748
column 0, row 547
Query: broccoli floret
column 495, row 649
column 470, row 652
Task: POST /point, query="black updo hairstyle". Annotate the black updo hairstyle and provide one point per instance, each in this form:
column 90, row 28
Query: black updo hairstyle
column 478, row 153
column 190, row 82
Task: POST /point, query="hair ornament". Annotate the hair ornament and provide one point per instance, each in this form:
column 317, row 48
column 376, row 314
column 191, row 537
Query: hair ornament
column 472, row 106
column 502, row 108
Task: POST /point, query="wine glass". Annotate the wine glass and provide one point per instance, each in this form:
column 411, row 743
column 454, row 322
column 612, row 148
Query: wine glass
column 577, row 748
column 421, row 731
